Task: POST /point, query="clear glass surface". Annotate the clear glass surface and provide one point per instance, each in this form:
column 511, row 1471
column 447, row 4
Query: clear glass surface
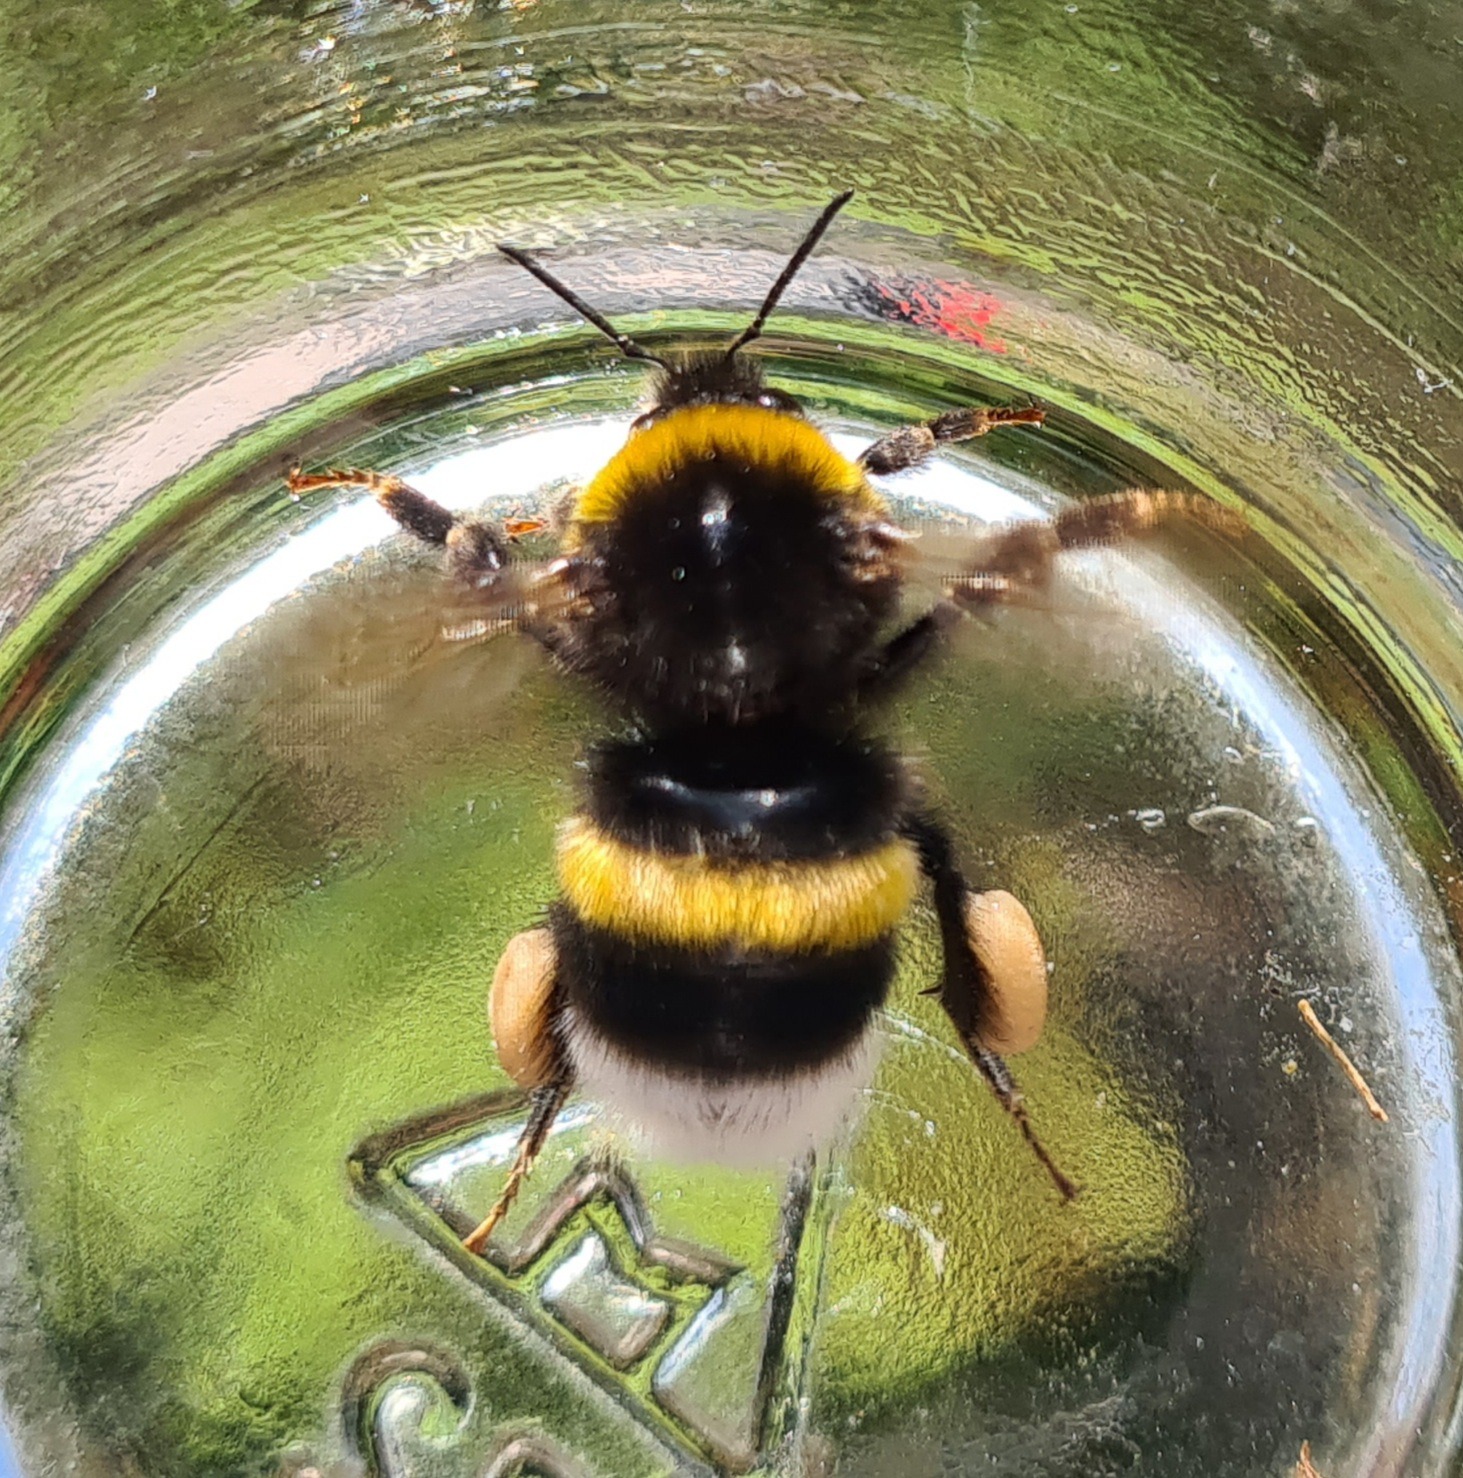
column 265, row 833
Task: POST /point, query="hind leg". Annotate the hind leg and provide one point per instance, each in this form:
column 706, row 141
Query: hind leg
column 521, row 1006
column 545, row 1103
column 994, row 984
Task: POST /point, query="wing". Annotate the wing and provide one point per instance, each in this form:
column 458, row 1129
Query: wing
column 385, row 657
column 1015, row 563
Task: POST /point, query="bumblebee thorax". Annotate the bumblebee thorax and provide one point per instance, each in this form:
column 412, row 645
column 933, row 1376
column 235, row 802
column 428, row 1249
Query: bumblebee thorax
column 724, row 569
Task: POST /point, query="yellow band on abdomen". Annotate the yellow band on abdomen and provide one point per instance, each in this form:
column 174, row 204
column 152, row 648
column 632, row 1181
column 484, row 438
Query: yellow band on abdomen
column 691, row 901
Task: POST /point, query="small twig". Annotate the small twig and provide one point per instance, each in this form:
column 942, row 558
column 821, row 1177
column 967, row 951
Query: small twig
column 1305, row 1468
column 1308, row 1015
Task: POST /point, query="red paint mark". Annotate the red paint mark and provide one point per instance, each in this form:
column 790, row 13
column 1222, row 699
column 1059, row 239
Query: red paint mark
column 955, row 310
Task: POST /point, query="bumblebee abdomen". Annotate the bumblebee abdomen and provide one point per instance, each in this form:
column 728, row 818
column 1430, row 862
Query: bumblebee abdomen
column 725, row 969
column 721, row 1015
column 773, row 837
column 730, row 897
column 698, row 902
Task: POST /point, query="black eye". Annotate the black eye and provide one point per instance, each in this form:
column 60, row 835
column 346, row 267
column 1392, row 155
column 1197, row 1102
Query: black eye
column 777, row 400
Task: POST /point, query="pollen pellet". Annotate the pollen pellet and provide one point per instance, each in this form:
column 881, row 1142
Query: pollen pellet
column 1006, row 943
column 518, row 1007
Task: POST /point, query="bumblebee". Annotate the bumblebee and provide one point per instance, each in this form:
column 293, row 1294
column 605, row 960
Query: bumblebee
column 733, row 884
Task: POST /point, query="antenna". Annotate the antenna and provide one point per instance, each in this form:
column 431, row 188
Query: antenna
column 754, row 329
column 628, row 347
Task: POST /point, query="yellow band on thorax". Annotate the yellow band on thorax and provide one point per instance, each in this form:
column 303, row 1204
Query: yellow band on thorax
column 775, row 442
column 694, row 902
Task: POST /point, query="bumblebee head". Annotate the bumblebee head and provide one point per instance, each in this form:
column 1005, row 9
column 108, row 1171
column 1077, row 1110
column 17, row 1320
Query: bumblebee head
column 714, row 377
column 724, row 565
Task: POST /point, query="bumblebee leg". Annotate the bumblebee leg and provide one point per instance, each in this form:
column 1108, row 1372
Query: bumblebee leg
column 998, row 1076
column 994, row 984
column 910, row 445
column 521, row 1013
column 904, row 653
column 544, row 1106
column 1011, row 563
column 474, row 551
